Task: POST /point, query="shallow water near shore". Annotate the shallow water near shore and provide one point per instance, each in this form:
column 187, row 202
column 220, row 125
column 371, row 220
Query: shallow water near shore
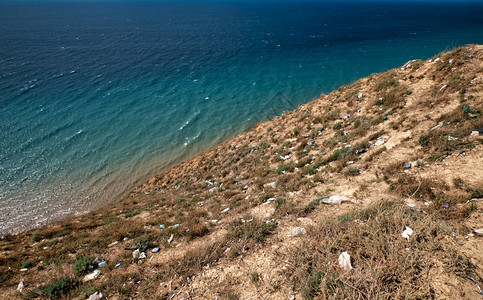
column 96, row 98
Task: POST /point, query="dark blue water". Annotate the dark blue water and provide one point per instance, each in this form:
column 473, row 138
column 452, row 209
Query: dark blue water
column 95, row 98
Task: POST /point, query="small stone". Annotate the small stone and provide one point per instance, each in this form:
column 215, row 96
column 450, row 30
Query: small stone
column 91, row 276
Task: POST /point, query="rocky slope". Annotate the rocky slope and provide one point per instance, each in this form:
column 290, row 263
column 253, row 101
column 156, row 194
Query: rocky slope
column 254, row 217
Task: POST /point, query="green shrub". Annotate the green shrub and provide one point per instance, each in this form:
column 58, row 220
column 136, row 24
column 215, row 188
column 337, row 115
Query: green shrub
column 423, row 140
column 60, row 287
column 279, row 202
column 83, row 264
column 337, row 126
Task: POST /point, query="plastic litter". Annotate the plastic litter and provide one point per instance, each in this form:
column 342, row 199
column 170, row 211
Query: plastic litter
column 174, row 226
column 360, row 151
column 135, row 254
column 117, row 265
column 478, row 231
column 142, row 255
column 155, row 250
column 345, row 261
column 297, row 231
column 270, row 184
column 335, row 199
column 91, row 276
column 102, row 263
column 162, row 226
column 225, row 210
column 170, row 239
column 20, row 286
column 407, row 233
column 95, row 296
column 407, row 165
column 212, row 189
column 472, row 279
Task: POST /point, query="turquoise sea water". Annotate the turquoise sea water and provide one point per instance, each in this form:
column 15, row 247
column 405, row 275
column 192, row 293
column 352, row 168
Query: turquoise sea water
column 96, row 98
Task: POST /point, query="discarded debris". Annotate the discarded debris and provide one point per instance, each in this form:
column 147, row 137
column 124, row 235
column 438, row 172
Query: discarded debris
column 407, row 165
column 478, row 231
column 297, row 231
column 335, row 199
column 379, row 142
column 472, row 279
column 91, row 276
column 162, row 226
column 170, row 239
column 174, row 226
column 102, row 263
column 155, row 250
column 407, row 233
column 113, row 244
column 360, row 151
column 20, row 286
column 95, row 296
column 272, row 184
column 135, row 254
column 225, row 210
column 345, row 261
column 142, row 255
column 213, row 189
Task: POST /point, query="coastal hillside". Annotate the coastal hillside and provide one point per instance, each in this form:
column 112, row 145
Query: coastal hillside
column 371, row 192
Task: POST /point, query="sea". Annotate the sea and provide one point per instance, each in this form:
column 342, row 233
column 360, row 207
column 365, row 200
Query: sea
column 97, row 97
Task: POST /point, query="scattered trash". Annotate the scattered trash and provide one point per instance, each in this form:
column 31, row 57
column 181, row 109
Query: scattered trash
column 213, row 189
column 272, row 184
column 113, row 244
column 271, row 199
column 407, row 233
column 428, row 203
column 443, row 87
column 347, row 116
column 24, row 270
column 285, row 157
column 135, row 254
column 472, row 279
column 297, row 231
column 335, row 199
column 379, row 142
column 291, row 297
column 174, row 226
column 117, row 265
column 437, row 126
column 102, row 263
column 345, row 261
column 247, row 185
column 170, row 239
column 142, row 255
column 446, row 205
column 350, row 162
column 91, row 276
column 478, row 231
column 384, row 118
column 359, row 96
column 162, row 226
column 20, row 286
column 95, row 296
column 225, row 210
column 407, row 165
column 37, row 291
column 155, row 250
column 360, row 151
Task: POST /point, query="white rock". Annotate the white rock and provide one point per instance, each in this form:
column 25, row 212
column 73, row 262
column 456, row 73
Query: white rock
column 334, row 199
column 135, row 254
column 345, row 261
column 91, row 276
column 20, row 286
column 407, row 233
column 95, row 296
column 297, row 231
column 379, row 142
